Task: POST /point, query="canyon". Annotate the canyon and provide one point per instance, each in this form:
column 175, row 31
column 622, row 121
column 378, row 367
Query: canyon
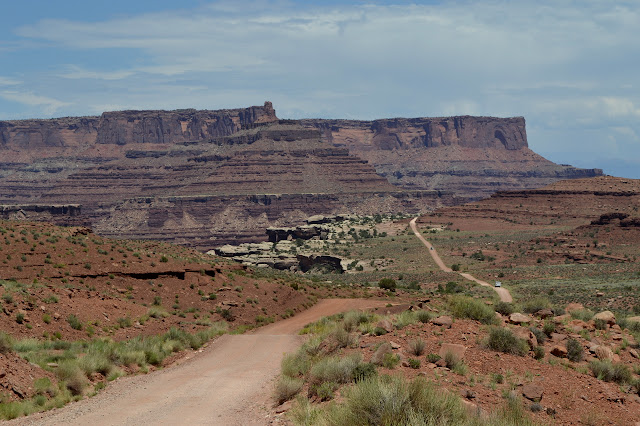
column 207, row 178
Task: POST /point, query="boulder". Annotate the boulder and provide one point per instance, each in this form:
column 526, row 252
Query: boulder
column 532, row 392
column 559, row 351
column 443, row 321
column 544, row 313
column 385, row 325
column 603, row 353
column 606, row 316
column 518, row 318
column 633, row 319
column 455, row 349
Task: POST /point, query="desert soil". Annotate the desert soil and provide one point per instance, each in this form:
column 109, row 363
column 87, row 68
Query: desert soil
column 229, row 382
column 503, row 293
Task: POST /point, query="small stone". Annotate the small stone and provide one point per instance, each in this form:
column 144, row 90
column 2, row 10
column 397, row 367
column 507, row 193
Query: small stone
column 394, row 345
column 284, row 407
column 634, row 353
column 544, row 313
column 385, row 325
column 468, row 393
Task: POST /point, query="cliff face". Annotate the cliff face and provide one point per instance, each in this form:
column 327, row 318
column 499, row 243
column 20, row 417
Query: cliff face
column 129, row 127
column 470, row 156
column 204, row 178
column 407, row 133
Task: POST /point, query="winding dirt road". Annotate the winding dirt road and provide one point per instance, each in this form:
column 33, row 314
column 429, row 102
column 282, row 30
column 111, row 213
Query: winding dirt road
column 227, row 383
column 503, row 293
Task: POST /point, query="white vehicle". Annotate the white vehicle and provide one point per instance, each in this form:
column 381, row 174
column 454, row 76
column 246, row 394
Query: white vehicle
column 498, row 284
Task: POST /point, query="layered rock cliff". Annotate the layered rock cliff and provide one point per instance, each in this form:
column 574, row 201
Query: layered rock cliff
column 204, row 178
column 471, row 156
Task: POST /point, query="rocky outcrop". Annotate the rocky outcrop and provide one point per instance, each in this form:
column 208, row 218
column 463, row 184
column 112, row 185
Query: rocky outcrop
column 470, row 156
column 130, row 127
column 205, row 178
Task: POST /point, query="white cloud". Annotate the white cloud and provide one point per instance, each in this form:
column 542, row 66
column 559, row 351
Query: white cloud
column 569, row 68
column 5, row 81
column 49, row 105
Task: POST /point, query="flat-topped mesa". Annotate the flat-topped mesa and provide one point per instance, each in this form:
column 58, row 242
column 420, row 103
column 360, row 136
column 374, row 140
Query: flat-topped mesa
column 403, row 133
column 127, row 127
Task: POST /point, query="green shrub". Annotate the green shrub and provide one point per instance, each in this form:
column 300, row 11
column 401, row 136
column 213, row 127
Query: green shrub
column 353, row 319
column 423, row 316
column 504, row 308
column 538, row 352
column 534, row 305
column 19, row 317
column 363, row 371
column 600, row 324
column 286, row 388
column 503, row 340
column 416, row 347
column 404, row 319
column 394, row 401
column 582, row 314
column 325, row 390
column 387, row 284
column 6, row 343
column 575, row 351
column 390, row 360
column 334, row 369
column 549, row 327
column 414, row 363
column 466, row 307
column 433, row 358
column 296, row 364
column 74, row 322
column 605, row 370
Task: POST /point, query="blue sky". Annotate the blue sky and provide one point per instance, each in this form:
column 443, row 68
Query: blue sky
column 571, row 68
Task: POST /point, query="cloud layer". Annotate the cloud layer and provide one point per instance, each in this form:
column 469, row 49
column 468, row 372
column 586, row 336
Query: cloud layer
column 569, row 67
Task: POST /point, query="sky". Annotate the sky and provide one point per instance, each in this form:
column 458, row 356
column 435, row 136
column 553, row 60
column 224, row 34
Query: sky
column 571, row 68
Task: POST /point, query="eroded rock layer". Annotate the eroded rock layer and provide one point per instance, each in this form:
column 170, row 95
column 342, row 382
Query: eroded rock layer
column 205, row 178
column 470, row 156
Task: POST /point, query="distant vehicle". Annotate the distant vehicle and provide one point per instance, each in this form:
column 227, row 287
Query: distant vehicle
column 498, row 284
column 431, row 248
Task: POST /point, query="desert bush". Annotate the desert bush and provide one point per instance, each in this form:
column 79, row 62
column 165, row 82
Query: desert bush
column 455, row 364
column 433, row 358
column 387, row 284
column 353, row 319
column 416, row 347
column 466, row 307
column 414, row 363
column 582, row 314
column 325, row 390
column 6, row 343
column 392, row 401
column 363, row 371
column 504, row 308
column 600, row 324
column 423, row 316
column 390, row 360
column 575, row 351
column 343, row 338
column 549, row 327
column 296, row 364
column 404, row 319
column 74, row 322
column 72, row 376
column 503, row 340
column 535, row 304
column 334, row 369
column 605, row 370
column 538, row 352
column 286, row 388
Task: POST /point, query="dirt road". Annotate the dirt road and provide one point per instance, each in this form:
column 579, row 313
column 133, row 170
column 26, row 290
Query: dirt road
column 503, row 293
column 227, row 383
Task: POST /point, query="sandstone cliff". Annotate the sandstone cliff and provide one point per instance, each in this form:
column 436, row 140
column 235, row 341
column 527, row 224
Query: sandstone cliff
column 204, row 178
column 471, row 156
